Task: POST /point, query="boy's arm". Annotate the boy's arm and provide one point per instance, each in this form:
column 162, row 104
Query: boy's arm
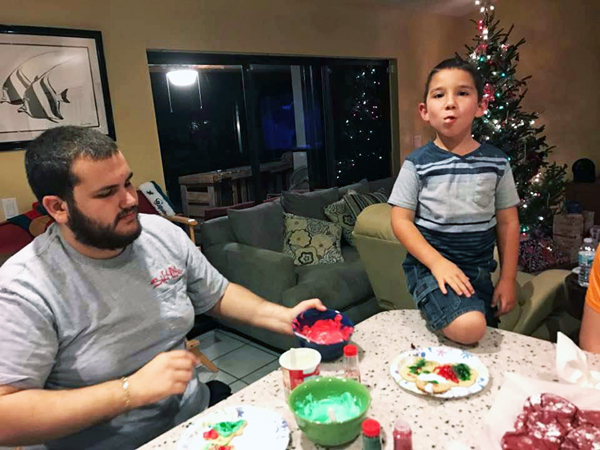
column 444, row 271
column 507, row 234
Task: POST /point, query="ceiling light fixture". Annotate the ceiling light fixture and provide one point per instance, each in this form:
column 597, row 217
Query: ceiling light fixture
column 182, row 77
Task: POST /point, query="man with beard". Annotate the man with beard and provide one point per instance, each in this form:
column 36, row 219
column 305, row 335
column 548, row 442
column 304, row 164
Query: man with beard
column 94, row 312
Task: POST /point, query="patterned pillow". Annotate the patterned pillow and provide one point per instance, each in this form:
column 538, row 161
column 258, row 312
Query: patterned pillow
column 357, row 202
column 339, row 214
column 311, row 241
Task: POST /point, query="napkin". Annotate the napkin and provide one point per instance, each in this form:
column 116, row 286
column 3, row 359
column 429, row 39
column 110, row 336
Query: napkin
column 572, row 365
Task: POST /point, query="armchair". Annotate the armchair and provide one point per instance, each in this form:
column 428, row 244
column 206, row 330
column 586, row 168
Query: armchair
column 539, row 297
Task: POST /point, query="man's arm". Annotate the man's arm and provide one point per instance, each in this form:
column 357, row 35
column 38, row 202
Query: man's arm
column 444, row 271
column 238, row 303
column 589, row 336
column 507, row 234
column 33, row 416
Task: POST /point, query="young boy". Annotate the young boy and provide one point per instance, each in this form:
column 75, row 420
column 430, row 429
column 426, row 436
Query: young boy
column 452, row 199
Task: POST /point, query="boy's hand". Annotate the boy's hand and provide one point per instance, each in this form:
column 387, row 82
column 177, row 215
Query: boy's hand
column 504, row 297
column 446, row 272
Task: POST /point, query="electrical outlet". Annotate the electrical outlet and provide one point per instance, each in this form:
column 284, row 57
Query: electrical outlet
column 9, row 205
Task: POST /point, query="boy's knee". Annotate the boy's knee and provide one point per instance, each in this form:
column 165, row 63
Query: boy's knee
column 468, row 328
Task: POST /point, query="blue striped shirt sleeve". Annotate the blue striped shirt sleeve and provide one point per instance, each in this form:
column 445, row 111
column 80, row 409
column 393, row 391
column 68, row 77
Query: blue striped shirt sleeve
column 406, row 188
column 506, row 192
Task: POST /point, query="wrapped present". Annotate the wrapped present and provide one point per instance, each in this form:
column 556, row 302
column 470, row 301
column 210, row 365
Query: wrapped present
column 538, row 254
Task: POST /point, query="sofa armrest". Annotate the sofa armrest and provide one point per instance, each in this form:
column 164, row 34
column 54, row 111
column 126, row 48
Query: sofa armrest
column 264, row 272
column 543, row 295
column 382, row 255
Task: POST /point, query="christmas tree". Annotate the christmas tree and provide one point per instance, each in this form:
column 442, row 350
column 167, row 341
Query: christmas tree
column 362, row 149
column 540, row 185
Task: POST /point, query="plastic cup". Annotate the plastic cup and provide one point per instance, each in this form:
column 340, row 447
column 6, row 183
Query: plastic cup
column 298, row 365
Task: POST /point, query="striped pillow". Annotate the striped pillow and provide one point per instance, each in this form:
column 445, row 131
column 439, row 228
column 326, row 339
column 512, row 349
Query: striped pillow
column 357, row 202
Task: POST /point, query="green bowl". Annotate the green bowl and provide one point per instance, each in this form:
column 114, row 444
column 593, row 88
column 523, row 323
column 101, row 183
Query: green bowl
column 324, row 432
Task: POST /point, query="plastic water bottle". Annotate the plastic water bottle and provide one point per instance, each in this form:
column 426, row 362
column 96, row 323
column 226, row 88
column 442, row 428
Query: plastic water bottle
column 586, row 258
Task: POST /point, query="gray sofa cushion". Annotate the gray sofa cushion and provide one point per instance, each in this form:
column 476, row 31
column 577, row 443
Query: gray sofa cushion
column 309, row 204
column 260, row 226
column 362, row 187
column 385, row 183
column 216, row 231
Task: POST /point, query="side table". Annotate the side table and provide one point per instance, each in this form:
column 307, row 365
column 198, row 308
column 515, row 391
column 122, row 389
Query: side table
column 575, row 296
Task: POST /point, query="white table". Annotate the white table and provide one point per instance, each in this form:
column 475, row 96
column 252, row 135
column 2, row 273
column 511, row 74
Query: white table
column 434, row 422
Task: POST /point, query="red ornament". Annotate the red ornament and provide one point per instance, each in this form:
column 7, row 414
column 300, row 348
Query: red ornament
column 480, row 24
column 489, row 91
column 481, row 49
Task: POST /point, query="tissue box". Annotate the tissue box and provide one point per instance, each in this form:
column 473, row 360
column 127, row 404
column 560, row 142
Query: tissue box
column 568, row 224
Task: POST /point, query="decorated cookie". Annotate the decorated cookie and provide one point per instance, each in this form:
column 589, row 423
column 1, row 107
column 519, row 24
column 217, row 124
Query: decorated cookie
column 413, row 368
column 220, row 434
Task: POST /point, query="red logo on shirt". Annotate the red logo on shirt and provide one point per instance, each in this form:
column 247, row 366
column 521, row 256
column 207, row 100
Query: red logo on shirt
column 166, row 275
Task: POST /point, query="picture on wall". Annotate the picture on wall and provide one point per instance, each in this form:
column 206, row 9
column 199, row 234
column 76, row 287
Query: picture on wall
column 51, row 77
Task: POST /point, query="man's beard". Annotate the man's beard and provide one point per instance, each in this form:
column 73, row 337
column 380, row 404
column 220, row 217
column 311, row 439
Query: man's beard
column 105, row 237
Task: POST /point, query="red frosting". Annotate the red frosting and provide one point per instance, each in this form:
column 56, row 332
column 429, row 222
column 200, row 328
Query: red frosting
column 446, row 372
column 327, row 331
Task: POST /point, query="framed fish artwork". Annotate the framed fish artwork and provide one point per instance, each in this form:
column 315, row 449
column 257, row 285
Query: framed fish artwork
column 51, row 77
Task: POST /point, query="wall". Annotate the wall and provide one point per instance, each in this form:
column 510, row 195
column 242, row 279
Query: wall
column 562, row 53
column 297, row 27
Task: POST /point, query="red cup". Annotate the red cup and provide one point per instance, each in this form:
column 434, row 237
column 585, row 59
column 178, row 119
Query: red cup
column 297, row 365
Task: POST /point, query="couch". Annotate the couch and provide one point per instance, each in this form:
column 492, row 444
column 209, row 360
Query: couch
column 540, row 298
column 246, row 247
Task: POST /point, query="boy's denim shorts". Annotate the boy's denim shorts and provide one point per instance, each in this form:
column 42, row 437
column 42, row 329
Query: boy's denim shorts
column 441, row 309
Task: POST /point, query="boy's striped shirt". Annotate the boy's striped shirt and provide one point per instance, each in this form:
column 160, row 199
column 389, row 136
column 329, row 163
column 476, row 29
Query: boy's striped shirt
column 455, row 199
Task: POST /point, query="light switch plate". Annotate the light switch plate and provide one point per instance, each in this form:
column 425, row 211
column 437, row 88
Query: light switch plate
column 9, row 205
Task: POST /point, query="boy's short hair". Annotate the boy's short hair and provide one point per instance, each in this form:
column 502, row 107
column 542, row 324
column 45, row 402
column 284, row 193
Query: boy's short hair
column 49, row 158
column 460, row 64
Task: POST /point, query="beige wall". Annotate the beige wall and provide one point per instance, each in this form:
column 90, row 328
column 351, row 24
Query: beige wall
column 562, row 53
column 299, row 27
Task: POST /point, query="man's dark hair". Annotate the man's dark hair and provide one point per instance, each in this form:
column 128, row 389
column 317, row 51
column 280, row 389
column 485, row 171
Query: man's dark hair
column 460, row 64
column 49, row 158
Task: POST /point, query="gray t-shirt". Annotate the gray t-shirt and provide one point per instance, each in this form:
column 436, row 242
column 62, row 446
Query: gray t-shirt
column 68, row 321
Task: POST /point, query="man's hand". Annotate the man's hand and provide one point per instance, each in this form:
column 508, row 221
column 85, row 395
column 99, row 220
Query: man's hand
column 446, row 272
column 300, row 308
column 166, row 374
column 504, row 297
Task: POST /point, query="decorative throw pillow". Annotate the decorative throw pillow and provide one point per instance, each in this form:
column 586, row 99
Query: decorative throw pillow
column 357, row 202
column 339, row 214
column 311, row 241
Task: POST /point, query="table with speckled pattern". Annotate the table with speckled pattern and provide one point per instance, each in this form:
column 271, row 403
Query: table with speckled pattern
column 434, row 422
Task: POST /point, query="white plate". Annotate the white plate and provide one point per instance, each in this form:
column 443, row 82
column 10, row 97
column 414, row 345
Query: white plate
column 443, row 355
column 265, row 429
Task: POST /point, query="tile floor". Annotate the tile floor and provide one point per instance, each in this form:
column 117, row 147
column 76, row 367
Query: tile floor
column 239, row 360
